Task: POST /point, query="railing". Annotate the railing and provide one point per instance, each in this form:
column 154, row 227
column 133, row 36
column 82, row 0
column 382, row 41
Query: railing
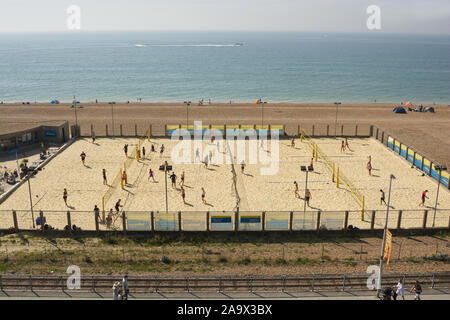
column 225, row 220
column 296, row 283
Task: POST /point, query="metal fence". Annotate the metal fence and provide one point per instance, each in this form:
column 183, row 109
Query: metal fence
column 147, row 284
column 224, row 220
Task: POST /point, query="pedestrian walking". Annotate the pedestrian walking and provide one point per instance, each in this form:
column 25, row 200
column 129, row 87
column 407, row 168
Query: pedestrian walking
column 117, row 206
column 296, row 190
column 369, row 167
column 400, row 289
column 96, row 212
column 242, row 166
column 161, row 151
column 342, row 146
column 424, row 196
column 143, row 152
column 417, row 289
column 124, row 177
column 173, row 178
column 109, row 219
column 116, row 290
column 183, row 195
column 151, row 175
column 93, row 138
column 293, row 142
column 125, row 149
column 382, row 197
column 308, row 197
column 83, row 157
column 65, row 196
column 203, row 196
column 182, row 179
column 125, row 288
column 105, row 181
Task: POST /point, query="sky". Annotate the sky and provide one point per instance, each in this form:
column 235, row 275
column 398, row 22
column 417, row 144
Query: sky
column 397, row 16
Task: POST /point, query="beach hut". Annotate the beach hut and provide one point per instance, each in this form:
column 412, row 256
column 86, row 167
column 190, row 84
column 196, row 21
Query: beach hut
column 399, row 109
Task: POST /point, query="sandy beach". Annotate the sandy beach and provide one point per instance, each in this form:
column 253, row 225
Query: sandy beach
column 225, row 188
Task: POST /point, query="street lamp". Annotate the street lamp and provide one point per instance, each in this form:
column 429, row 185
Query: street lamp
column 112, row 103
column 165, row 167
column 438, row 168
column 74, row 105
column 31, row 200
column 187, row 103
column 335, row 122
column 384, row 237
column 305, row 169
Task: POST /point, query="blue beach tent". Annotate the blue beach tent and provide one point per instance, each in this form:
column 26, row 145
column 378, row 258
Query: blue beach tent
column 399, row 109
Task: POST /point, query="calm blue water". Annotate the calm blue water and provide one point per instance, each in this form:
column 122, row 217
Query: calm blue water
column 175, row 66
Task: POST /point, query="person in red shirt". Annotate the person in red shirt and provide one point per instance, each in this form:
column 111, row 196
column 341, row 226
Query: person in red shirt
column 424, row 196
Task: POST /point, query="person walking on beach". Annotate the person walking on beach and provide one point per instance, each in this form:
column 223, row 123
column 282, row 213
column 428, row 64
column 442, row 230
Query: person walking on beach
column 203, row 196
column 346, row 144
column 242, row 166
column 65, row 196
column 296, row 190
column 307, row 197
column 83, row 157
column 183, row 195
column 400, row 289
column 96, row 212
column 182, row 179
column 93, row 138
column 109, row 219
column 424, row 196
column 151, row 175
column 153, row 148
column 342, row 146
column 311, row 164
column 382, row 197
column 173, row 178
column 369, row 167
column 117, row 206
column 124, row 177
column 116, row 291
column 205, row 161
column 197, row 155
column 105, row 181
column 143, row 152
column 293, row 142
column 125, row 149
column 161, row 151
column 417, row 289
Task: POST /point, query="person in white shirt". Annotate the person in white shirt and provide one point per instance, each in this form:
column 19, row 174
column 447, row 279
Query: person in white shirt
column 400, row 289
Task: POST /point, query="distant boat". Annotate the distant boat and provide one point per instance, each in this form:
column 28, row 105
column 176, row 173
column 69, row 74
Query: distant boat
column 238, row 44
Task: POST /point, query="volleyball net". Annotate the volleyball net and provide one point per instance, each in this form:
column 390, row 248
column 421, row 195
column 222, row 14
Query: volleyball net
column 336, row 175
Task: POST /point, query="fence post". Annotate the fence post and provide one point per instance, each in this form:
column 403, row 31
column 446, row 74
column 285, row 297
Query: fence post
column 41, row 215
column 207, row 221
column 346, row 221
column 96, row 221
column 31, row 283
column 283, row 288
column 263, row 221
column 425, row 215
column 382, row 137
column 298, row 130
column 179, row 221
column 312, row 284
column 318, row 221
column 377, row 132
column 372, row 220
column 135, row 129
column 432, row 282
column 152, row 220
column 291, row 219
column 399, row 220
column 371, row 130
column 16, row 225
column 343, row 284
column 342, row 130
column 236, row 221
column 106, row 128
column 356, row 130
column 312, row 131
column 124, row 221
column 121, row 132
column 92, row 130
column 328, row 129
column 69, row 221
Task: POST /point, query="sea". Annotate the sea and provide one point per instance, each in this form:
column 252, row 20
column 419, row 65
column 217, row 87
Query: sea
column 224, row 66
